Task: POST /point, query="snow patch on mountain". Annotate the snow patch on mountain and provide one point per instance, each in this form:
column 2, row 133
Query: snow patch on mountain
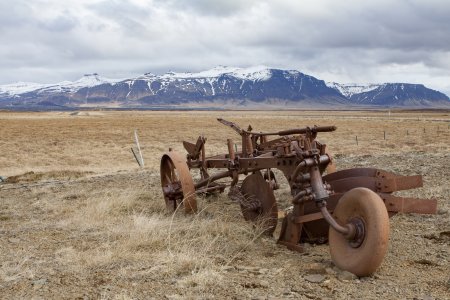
column 251, row 73
column 350, row 89
column 88, row 80
column 21, row 88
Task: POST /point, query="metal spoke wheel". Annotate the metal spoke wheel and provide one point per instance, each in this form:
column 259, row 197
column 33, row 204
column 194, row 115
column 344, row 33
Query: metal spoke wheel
column 177, row 184
column 259, row 203
column 363, row 253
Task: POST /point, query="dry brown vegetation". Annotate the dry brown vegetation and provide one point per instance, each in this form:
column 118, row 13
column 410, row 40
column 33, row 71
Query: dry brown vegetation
column 78, row 218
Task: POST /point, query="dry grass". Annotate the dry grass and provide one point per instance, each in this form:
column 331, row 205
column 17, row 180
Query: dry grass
column 100, row 141
column 78, row 219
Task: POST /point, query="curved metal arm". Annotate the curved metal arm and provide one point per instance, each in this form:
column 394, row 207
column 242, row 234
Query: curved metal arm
column 348, row 230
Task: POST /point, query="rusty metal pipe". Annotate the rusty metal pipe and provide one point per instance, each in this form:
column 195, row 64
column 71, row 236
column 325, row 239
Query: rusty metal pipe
column 231, row 152
column 305, row 163
column 348, row 230
column 209, row 189
column 249, row 145
column 298, row 131
column 218, row 176
column 306, row 191
column 212, row 178
column 324, row 159
column 320, row 193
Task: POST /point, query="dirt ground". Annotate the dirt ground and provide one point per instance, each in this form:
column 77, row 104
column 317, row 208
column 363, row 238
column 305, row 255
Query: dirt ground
column 79, row 219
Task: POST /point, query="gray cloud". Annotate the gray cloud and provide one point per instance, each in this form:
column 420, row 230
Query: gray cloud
column 221, row 8
column 361, row 41
column 62, row 23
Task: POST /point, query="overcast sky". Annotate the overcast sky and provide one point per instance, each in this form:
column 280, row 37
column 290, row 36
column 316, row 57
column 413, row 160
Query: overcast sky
column 376, row 41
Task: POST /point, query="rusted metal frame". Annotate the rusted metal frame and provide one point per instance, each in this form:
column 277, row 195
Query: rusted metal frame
column 194, row 149
column 231, row 152
column 221, row 175
column 190, row 148
column 244, row 144
column 313, row 130
column 254, row 162
column 218, row 163
column 249, row 142
column 203, row 168
column 317, row 191
column 210, row 188
column 291, row 232
column 212, row 178
column 267, row 162
column 270, row 144
column 231, row 125
column 308, row 217
column 320, row 194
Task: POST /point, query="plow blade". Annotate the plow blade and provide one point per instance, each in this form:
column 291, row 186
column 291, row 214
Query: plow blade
column 377, row 180
column 359, row 172
column 356, row 172
column 409, row 205
column 395, row 204
column 382, row 185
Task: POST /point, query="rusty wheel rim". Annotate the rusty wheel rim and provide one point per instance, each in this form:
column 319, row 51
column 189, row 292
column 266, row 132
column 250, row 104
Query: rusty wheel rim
column 363, row 253
column 177, row 184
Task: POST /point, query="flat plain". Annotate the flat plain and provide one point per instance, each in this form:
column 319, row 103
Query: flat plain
column 80, row 219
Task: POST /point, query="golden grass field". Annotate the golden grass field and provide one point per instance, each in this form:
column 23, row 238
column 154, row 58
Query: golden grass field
column 79, row 219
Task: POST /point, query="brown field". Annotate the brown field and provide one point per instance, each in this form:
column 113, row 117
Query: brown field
column 79, row 219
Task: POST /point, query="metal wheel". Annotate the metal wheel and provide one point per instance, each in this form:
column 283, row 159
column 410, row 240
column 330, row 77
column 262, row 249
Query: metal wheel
column 260, row 205
column 362, row 254
column 177, row 184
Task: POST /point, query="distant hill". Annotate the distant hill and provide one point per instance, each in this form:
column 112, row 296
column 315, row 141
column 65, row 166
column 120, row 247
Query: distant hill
column 257, row 87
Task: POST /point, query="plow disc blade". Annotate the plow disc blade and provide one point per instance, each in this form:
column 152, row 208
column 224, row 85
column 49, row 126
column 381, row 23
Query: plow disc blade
column 176, row 182
column 260, row 205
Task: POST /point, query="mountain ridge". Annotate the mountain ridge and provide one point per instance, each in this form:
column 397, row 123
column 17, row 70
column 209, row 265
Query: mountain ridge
column 259, row 85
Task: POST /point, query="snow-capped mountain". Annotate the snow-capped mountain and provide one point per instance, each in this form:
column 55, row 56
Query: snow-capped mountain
column 239, row 86
column 88, row 80
column 397, row 94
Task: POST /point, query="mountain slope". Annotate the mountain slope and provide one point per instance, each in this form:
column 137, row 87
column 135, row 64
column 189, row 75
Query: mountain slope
column 392, row 94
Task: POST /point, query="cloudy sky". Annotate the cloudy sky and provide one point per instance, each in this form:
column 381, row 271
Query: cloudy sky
column 49, row 41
